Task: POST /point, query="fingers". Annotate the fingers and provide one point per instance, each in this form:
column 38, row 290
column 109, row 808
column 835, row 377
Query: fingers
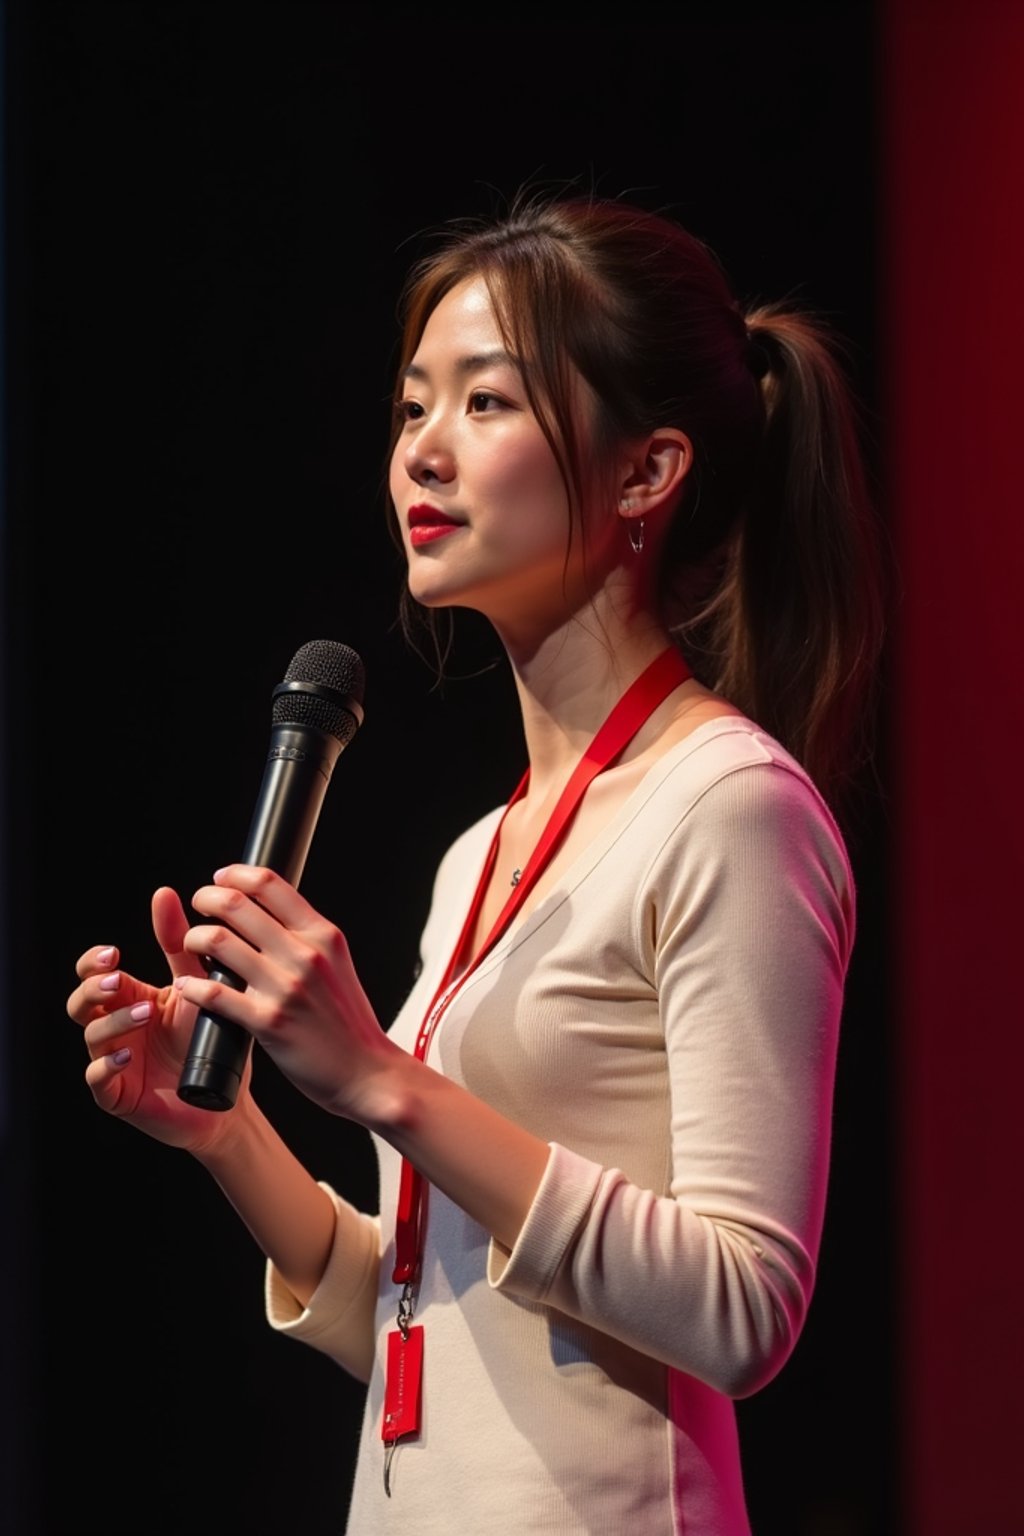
column 266, row 924
column 102, row 1032
column 103, row 1078
column 102, row 957
column 98, row 983
column 114, row 1089
column 108, row 1003
column 269, row 890
column 268, row 936
column 170, row 925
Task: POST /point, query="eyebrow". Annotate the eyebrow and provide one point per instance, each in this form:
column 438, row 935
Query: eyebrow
column 473, row 362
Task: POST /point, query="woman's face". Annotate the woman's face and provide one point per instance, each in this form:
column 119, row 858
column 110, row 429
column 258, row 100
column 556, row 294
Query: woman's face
column 481, row 504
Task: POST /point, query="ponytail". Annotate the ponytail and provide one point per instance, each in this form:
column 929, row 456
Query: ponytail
column 794, row 631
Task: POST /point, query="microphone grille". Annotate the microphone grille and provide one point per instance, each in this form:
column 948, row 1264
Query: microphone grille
column 322, row 688
column 327, row 662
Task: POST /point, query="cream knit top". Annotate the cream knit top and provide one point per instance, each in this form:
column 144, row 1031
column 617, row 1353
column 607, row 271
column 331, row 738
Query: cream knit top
column 666, row 1018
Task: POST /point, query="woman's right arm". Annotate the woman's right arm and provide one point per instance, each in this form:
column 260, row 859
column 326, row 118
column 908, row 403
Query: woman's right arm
column 314, row 1241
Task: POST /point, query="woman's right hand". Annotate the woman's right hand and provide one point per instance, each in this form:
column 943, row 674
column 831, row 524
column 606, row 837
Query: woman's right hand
column 137, row 1036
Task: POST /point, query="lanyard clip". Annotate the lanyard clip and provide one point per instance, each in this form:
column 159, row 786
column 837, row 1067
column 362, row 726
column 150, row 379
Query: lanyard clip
column 406, row 1306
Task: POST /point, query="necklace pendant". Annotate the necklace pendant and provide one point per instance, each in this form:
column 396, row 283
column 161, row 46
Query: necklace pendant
column 517, row 875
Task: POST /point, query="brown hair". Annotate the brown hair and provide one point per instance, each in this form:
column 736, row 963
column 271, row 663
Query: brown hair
column 770, row 577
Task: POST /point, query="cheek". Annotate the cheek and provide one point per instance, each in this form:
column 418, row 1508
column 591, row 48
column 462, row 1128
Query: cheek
column 396, row 470
column 524, row 470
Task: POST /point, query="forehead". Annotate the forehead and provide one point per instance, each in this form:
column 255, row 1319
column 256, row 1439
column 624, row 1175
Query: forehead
column 464, row 320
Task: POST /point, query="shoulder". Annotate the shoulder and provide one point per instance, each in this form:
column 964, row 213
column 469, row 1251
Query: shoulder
column 729, row 767
column 730, row 798
column 742, row 849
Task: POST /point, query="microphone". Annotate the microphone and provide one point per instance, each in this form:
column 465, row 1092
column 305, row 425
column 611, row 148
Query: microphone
column 316, row 712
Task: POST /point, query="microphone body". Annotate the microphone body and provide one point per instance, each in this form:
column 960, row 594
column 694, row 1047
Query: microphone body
column 314, row 721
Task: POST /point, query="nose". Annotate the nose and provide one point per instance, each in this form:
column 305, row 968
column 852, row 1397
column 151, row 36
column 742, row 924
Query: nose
column 428, row 458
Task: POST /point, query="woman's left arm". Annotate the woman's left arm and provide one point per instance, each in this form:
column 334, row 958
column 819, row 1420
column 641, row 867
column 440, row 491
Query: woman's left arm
column 746, row 925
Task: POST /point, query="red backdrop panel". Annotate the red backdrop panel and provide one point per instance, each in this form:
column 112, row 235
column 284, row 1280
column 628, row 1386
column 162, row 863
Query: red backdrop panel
column 953, row 148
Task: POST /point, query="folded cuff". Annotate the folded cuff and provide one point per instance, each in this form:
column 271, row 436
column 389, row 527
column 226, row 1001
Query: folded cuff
column 339, row 1316
column 552, row 1224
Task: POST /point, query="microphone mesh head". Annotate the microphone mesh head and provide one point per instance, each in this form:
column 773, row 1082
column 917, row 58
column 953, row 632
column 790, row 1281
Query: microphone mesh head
column 332, row 699
column 325, row 661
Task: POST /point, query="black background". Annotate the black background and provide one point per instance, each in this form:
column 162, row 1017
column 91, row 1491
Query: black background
column 209, row 212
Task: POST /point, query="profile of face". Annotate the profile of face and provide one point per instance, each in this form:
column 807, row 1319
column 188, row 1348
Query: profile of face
column 480, row 500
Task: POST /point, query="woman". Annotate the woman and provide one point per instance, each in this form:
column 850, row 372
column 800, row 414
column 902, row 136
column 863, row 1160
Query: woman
column 602, row 1115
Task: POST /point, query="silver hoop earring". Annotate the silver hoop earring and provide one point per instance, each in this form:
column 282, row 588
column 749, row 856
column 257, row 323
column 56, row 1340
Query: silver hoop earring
column 636, row 535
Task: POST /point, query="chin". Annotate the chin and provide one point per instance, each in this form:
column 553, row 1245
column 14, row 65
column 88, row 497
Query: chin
column 430, row 594
column 434, row 584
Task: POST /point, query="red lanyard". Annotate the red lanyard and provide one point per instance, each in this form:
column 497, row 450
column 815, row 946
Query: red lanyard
column 635, row 706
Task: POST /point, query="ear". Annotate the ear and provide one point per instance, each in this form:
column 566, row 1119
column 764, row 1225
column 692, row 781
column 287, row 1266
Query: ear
column 655, row 470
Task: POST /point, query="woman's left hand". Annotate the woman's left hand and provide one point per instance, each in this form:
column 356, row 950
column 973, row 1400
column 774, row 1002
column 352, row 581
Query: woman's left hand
column 303, row 1001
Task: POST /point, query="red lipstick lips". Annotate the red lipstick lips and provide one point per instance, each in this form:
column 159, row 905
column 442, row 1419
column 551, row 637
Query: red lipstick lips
column 427, row 523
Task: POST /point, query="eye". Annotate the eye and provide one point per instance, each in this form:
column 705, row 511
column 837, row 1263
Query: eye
column 408, row 410
column 483, row 400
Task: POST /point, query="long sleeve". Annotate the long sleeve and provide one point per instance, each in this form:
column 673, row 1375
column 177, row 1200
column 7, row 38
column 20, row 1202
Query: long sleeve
column 743, row 926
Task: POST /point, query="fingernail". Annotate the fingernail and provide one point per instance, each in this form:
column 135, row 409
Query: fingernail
column 106, row 956
column 179, row 982
column 141, row 1012
column 119, row 1058
column 110, row 983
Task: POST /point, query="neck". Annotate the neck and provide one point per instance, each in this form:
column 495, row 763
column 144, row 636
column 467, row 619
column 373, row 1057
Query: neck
column 568, row 682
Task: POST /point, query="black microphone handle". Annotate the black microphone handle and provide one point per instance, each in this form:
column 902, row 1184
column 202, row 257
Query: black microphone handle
column 295, row 779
